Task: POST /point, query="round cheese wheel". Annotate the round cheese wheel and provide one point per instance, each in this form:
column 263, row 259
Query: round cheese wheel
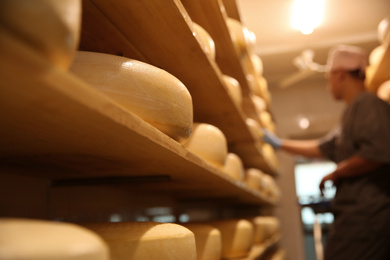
column 50, row 27
column 146, row 240
column 383, row 91
column 243, row 39
column 254, row 127
column 237, row 236
column 27, row 239
column 234, row 89
column 269, row 155
column 383, row 29
column 260, row 104
column 208, row 241
column 264, row 228
column 266, row 120
column 205, row 40
column 376, row 55
column 151, row 93
column 253, row 84
column 209, row 143
column 234, row 167
column 254, row 179
column 257, row 63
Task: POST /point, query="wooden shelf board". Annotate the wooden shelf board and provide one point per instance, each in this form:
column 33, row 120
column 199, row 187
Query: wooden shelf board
column 57, row 127
column 232, row 9
column 258, row 251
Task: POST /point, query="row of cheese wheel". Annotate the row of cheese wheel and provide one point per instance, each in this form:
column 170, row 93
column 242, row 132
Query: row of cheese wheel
column 209, row 143
column 29, row 239
column 243, row 40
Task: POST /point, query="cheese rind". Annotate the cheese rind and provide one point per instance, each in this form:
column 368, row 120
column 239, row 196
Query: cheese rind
column 209, row 143
column 237, row 236
column 205, row 40
column 146, row 240
column 27, row 239
column 151, row 93
column 234, row 89
column 234, row 167
column 208, row 241
column 265, row 227
column 50, row 27
column 254, row 179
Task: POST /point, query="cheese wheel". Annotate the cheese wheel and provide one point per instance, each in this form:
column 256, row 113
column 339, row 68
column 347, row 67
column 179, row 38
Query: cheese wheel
column 236, row 235
column 146, row 240
column 376, row 55
column 27, row 239
column 254, row 179
column 151, row 93
column 234, row 89
column 259, row 103
column 253, row 84
column 264, row 228
column 270, row 156
column 266, row 120
column 254, row 127
column 208, row 241
column 234, row 167
column 243, row 39
column 50, row 27
column 383, row 91
column 205, row 40
column 209, row 143
column 383, row 29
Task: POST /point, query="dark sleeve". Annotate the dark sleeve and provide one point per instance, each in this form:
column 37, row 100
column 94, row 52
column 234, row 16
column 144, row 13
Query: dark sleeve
column 328, row 143
column 372, row 126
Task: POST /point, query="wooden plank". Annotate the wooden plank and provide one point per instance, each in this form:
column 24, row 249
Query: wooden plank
column 232, row 9
column 161, row 32
column 55, row 126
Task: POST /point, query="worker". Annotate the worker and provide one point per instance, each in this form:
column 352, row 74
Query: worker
column 361, row 148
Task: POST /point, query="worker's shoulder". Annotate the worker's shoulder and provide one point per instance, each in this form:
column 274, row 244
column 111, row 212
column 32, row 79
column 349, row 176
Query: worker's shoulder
column 370, row 100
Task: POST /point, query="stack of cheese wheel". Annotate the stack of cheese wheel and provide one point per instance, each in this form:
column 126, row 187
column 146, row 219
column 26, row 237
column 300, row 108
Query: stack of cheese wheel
column 254, row 179
column 27, row 239
column 208, row 241
column 265, row 228
column 205, row 40
column 234, row 167
column 50, row 27
column 234, row 89
column 146, row 240
column 209, row 143
column 237, row 236
column 151, row 93
column 383, row 91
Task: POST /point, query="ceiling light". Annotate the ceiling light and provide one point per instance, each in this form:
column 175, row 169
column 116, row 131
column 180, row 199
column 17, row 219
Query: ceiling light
column 303, row 122
column 306, row 15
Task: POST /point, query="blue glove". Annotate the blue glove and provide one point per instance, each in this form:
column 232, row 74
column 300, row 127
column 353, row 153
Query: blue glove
column 271, row 139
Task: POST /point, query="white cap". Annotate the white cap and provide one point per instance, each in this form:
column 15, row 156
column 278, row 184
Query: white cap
column 347, row 57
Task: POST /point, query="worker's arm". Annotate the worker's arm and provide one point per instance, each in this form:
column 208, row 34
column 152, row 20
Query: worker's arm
column 354, row 166
column 307, row 148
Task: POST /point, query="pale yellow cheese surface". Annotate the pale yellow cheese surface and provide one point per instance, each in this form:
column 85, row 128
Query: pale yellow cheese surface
column 146, row 240
column 234, row 89
column 151, row 93
column 205, row 40
column 254, row 179
column 27, row 239
column 234, row 167
column 209, row 143
column 237, row 236
column 265, row 227
column 208, row 241
column 50, row 27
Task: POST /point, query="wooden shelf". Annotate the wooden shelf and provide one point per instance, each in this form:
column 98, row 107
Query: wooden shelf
column 160, row 34
column 258, row 251
column 57, row 127
column 381, row 70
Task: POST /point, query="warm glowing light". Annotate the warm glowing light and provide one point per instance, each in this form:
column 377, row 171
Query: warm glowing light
column 307, row 15
column 303, row 123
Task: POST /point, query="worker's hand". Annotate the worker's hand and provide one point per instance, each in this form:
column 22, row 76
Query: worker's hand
column 330, row 177
column 271, row 139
